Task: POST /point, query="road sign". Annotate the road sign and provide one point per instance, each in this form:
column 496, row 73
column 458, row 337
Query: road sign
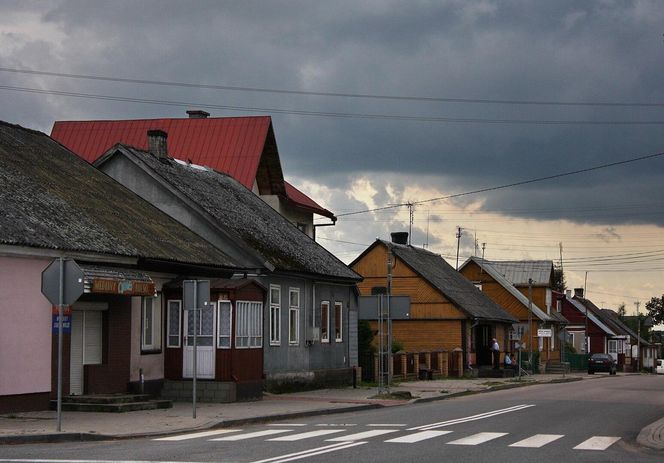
column 202, row 294
column 72, row 282
column 544, row 333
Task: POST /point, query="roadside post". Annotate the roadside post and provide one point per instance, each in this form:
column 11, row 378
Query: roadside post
column 196, row 296
column 62, row 284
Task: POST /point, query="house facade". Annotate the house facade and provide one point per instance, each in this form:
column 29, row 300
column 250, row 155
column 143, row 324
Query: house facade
column 446, row 311
column 53, row 205
column 309, row 321
column 507, row 283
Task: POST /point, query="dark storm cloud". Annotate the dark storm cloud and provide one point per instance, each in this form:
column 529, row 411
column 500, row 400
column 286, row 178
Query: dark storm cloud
column 554, row 51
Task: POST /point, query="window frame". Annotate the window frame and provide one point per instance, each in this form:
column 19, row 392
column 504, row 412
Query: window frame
column 168, row 324
column 248, row 324
column 275, row 317
column 154, row 346
column 293, row 318
column 218, row 344
column 325, row 328
column 339, row 320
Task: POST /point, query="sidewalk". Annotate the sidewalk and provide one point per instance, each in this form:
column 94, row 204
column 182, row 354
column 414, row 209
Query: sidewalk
column 41, row 426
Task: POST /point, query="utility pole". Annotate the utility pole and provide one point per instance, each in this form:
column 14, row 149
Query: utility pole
column 411, row 216
column 458, row 237
column 530, row 324
column 638, row 335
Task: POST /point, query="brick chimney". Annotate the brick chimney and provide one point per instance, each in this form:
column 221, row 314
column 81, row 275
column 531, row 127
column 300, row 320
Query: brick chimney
column 198, row 114
column 578, row 293
column 157, row 143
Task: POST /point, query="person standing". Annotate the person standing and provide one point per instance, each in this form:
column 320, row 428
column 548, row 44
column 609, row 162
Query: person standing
column 495, row 351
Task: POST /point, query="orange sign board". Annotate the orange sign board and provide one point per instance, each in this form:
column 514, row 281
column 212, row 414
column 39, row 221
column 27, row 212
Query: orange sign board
column 124, row 287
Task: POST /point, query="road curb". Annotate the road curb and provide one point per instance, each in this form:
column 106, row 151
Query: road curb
column 85, row 436
column 652, row 436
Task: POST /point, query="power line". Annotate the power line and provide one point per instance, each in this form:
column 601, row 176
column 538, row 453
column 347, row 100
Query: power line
column 336, row 94
column 510, row 185
column 298, row 112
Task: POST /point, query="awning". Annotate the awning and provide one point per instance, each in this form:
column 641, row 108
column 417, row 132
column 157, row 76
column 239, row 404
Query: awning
column 113, row 280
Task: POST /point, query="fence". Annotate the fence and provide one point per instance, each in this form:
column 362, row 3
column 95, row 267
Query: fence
column 411, row 365
column 577, row 361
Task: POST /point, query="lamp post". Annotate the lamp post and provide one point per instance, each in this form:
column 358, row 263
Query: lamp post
column 638, row 336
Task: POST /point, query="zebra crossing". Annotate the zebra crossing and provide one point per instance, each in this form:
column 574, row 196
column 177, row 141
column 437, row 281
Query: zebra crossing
column 344, row 434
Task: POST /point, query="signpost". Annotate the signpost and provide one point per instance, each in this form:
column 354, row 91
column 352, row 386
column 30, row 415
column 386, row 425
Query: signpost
column 62, row 284
column 195, row 295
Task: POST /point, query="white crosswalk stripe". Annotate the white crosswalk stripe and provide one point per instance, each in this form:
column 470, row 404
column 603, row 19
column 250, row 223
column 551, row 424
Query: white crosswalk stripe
column 362, row 435
column 479, row 438
column 417, row 437
column 251, row 435
column 306, row 435
column 537, row 441
column 196, row 435
column 597, row 443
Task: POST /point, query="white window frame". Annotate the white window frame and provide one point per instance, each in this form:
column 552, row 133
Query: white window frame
column 169, row 321
column 229, row 328
column 293, row 317
column 325, row 335
column 248, row 325
column 155, row 326
column 275, row 317
column 339, row 320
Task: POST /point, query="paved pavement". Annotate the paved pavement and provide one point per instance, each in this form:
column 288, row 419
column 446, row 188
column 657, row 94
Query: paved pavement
column 41, row 426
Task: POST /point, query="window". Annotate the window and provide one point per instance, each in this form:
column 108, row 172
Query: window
column 248, row 324
column 224, row 324
column 324, row 321
column 552, row 339
column 150, row 324
column 294, row 316
column 478, row 285
column 174, row 330
column 338, row 321
column 275, row 315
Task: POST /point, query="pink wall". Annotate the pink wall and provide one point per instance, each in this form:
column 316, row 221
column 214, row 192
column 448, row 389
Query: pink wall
column 25, row 327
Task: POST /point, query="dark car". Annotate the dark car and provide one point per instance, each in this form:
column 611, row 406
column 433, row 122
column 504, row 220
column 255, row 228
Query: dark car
column 601, row 362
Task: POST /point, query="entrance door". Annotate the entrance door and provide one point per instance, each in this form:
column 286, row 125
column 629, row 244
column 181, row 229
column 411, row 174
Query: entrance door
column 482, row 345
column 205, row 351
column 86, row 337
column 613, row 349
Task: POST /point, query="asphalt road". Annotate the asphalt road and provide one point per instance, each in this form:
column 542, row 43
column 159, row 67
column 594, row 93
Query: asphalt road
column 587, row 421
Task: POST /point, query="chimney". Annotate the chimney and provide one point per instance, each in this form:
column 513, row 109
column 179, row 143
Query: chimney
column 157, row 143
column 578, row 293
column 568, row 293
column 197, row 114
column 399, row 237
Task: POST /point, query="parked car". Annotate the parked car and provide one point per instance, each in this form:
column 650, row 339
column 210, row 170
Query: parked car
column 601, row 362
column 660, row 367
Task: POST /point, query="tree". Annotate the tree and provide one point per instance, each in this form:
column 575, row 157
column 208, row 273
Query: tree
column 622, row 311
column 559, row 283
column 655, row 308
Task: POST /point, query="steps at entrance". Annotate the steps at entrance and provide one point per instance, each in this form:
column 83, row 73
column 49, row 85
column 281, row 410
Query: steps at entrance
column 112, row 403
column 557, row 367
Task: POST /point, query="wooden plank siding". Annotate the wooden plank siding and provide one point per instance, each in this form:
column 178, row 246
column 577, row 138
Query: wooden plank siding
column 425, row 335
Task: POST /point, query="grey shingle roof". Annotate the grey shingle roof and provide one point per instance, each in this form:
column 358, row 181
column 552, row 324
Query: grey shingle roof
column 519, row 271
column 235, row 208
column 50, row 198
column 451, row 283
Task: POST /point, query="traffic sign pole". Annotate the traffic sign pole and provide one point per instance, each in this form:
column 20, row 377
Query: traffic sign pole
column 195, row 355
column 60, row 318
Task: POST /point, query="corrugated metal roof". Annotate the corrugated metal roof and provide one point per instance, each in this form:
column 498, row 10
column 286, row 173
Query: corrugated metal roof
column 520, row 271
column 233, row 145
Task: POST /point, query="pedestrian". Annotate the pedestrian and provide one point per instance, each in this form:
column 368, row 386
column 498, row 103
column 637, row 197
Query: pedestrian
column 510, row 364
column 495, row 350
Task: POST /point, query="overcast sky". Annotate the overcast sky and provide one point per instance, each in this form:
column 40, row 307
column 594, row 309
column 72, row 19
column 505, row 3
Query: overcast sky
column 546, row 62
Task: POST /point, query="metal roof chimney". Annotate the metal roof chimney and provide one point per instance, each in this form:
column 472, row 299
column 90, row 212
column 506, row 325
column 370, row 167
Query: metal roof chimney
column 198, row 114
column 578, row 293
column 157, row 143
column 399, row 237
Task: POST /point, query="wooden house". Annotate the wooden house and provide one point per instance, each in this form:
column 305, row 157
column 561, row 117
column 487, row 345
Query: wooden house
column 447, row 312
column 524, row 289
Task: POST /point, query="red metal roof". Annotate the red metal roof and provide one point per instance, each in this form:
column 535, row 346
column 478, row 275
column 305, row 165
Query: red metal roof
column 232, row 145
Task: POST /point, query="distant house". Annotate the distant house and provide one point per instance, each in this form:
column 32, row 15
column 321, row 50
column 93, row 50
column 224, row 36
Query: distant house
column 639, row 353
column 524, row 290
column 446, row 310
column 243, row 147
column 53, row 204
column 310, row 310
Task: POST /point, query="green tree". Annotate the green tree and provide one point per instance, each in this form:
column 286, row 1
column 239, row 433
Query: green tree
column 559, row 283
column 622, row 311
column 364, row 338
column 655, row 308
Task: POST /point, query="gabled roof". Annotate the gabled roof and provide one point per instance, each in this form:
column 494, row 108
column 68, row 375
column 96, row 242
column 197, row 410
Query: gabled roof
column 233, row 145
column 508, row 285
column 520, row 271
column 247, row 218
column 50, row 198
column 461, row 292
column 612, row 317
column 596, row 318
